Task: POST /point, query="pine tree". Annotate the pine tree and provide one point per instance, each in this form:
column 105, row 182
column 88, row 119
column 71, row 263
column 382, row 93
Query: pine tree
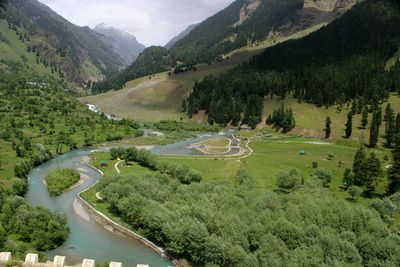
column 390, row 126
column 397, row 125
column 349, row 125
column 359, row 167
column 364, row 117
column 328, row 122
column 374, row 132
column 348, row 178
column 374, row 171
column 394, row 171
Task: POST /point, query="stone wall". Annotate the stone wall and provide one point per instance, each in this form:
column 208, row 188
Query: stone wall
column 32, row 260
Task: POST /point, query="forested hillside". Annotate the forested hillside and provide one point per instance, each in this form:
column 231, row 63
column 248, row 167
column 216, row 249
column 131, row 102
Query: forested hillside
column 342, row 61
column 180, row 36
column 243, row 23
column 78, row 53
column 250, row 21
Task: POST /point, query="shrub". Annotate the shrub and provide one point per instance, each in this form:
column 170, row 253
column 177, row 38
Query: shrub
column 324, row 175
column 288, row 180
column 61, row 179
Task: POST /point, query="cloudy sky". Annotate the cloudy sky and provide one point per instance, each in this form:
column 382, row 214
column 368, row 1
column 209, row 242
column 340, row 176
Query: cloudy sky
column 153, row 22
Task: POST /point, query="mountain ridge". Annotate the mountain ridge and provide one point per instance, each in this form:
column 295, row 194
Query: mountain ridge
column 181, row 35
column 78, row 52
column 123, row 43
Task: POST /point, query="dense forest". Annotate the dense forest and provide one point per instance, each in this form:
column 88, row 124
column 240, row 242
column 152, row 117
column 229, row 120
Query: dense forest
column 219, row 223
column 345, row 60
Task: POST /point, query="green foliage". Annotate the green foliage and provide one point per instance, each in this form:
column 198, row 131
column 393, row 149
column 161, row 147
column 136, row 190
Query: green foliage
column 374, row 131
column 282, row 119
column 324, row 176
column 328, row 123
column 215, row 223
column 61, row 179
column 27, row 227
column 288, row 180
column 355, row 192
column 178, row 126
column 394, row 171
column 349, row 125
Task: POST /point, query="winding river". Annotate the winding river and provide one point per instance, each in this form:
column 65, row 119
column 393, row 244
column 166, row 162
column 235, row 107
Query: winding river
column 88, row 238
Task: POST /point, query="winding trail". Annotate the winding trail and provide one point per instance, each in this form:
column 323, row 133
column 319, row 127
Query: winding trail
column 116, row 166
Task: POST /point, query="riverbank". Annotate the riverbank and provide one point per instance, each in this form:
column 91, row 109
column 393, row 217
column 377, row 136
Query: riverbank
column 115, row 227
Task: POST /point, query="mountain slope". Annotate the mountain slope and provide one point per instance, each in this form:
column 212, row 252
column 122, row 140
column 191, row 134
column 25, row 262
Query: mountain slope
column 123, row 43
column 251, row 21
column 180, row 36
column 244, row 23
column 78, row 52
column 154, row 59
column 343, row 61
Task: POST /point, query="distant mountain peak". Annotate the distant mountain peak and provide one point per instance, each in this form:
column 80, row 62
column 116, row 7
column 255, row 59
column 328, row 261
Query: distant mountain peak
column 122, row 42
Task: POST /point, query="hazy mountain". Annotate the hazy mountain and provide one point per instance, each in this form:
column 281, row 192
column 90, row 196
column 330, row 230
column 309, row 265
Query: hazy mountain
column 123, row 43
column 181, row 35
column 79, row 53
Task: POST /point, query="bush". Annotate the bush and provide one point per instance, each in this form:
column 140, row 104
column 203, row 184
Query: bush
column 61, row 179
column 355, row 192
column 324, row 175
column 288, row 180
column 315, row 165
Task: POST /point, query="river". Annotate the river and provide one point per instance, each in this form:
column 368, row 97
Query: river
column 89, row 239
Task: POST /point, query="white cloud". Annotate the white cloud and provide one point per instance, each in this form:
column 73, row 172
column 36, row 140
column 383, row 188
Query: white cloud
column 153, row 22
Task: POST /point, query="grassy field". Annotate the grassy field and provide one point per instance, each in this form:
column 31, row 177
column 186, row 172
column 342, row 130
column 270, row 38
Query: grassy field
column 270, row 157
column 310, row 120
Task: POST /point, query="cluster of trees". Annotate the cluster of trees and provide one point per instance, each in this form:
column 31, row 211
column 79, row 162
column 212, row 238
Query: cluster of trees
column 172, row 125
column 215, row 223
column 61, row 179
column 25, row 228
column 282, row 118
column 237, row 98
column 392, row 122
column 340, row 62
column 145, row 158
column 365, row 174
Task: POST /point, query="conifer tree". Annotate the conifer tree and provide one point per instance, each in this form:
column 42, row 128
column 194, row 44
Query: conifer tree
column 397, row 125
column 374, row 131
column 349, row 125
column 328, row 122
column 359, row 166
column 364, row 117
column 390, row 126
column 394, row 171
column 374, row 171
